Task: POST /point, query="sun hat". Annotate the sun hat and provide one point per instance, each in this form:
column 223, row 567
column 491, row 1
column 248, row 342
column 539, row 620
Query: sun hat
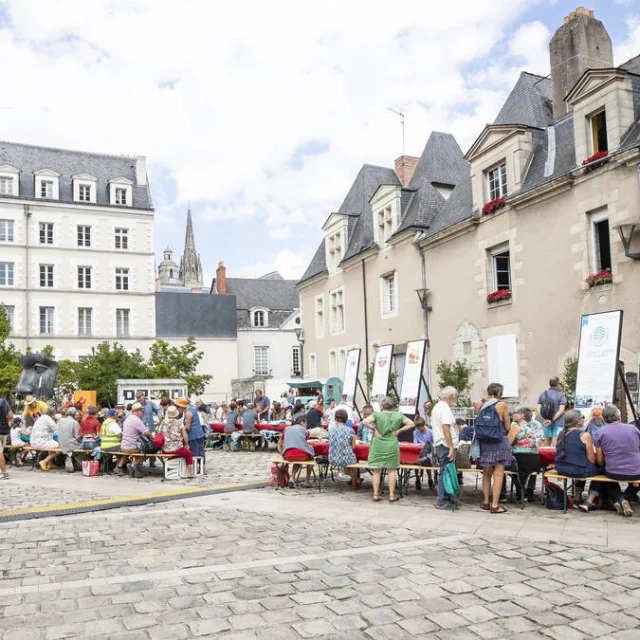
column 182, row 402
column 172, row 412
column 137, row 407
column 29, row 400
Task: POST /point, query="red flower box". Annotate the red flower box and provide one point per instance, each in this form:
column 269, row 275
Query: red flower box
column 595, row 156
column 602, row 277
column 500, row 294
column 493, row 205
column 595, row 161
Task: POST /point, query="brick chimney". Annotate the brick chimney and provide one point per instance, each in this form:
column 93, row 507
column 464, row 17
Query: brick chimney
column 405, row 166
column 581, row 43
column 221, row 278
column 141, row 171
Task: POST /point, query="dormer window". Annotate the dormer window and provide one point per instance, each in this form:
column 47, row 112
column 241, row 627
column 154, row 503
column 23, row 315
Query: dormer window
column 120, row 192
column 335, row 250
column 46, row 185
column 497, row 181
column 385, row 225
column 84, row 193
column 6, row 186
column 259, row 318
column 84, row 188
column 9, row 183
column 599, row 138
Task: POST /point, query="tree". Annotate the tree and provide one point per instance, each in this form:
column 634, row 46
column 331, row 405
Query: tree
column 104, row 365
column 166, row 361
column 10, row 369
column 458, row 375
column 67, row 378
column 569, row 376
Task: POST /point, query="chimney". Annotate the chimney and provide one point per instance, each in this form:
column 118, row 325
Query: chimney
column 581, row 43
column 141, row 171
column 405, row 166
column 221, row 278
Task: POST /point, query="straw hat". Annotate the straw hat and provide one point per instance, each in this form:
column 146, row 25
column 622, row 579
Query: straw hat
column 172, row 412
column 30, row 400
column 183, row 403
column 137, row 407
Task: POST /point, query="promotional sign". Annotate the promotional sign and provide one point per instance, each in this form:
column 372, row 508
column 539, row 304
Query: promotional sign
column 351, row 376
column 412, row 377
column 598, row 357
column 381, row 374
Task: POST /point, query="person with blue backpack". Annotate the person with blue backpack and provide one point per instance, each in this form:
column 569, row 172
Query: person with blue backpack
column 491, row 428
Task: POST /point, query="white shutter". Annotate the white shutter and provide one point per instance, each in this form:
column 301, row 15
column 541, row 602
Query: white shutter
column 502, row 363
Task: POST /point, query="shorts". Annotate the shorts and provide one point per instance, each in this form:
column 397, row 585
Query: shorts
column 552, row 431
column 4, row 442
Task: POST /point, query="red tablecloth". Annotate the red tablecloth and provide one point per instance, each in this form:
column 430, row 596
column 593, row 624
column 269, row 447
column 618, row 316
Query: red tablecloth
column 547, row 455
column 218, row 427
column 408, row 451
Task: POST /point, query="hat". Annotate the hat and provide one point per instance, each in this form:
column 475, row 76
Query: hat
column 112, row 412
column 90, row 407
column 29, row 400
column 299, row 419
column 71, row 411
column 183, row 403
column 17, row 420
column 137, row 407
column 172, row 412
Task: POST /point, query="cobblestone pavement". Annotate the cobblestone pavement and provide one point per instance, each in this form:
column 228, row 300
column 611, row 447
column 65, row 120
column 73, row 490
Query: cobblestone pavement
column 299, row 564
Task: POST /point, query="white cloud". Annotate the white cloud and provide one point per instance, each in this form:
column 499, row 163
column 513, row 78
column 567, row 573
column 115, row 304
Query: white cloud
column 287, row 263
column 631, row 46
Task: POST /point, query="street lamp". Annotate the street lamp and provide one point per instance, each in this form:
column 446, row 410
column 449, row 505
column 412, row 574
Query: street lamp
column 626, row 231
column 422, row 296
column 299, row 331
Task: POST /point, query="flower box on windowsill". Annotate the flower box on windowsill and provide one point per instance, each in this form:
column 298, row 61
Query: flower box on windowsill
column 595, row 161
column 493, row 205
column 501, row 296
column 596, row 279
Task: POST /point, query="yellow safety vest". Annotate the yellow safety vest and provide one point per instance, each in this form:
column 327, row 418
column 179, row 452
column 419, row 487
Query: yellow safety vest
column 107, row 439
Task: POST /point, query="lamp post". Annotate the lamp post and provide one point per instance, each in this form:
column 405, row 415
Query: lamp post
column 422, row 296
column 626, row 231
column 300, row 335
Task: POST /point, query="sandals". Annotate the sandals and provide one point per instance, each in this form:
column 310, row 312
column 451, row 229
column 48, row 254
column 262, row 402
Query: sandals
column 486, row 506
column 393, row 499
column 498, row 510
column 377, row 499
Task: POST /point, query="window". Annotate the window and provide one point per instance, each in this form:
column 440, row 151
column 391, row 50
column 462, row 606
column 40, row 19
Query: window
column 84, row 321
column 121, row 196
column 6, row 274
column 84, row 236
column 46, row 233
column 6, row 186
column 337, row 311
column 11, row 312
column 601, row 243
column 334, row 248
column 261, row 361
column 122, row 238
column 122, row 279
column 46, row 275
column 342, row 362
column 333, row 364
column 295, row 361
column 46, row 320
column 84, row 277
column 497, row 181
column 46, row 189
column 501, row 269
column 384, row 225
column 84, row 192
column 122, row 323
column 466, row 348
column 313, row 367
column 599, row 132
column 388, row 293
column 6, row 230
column 319, row 316
column 259, row 319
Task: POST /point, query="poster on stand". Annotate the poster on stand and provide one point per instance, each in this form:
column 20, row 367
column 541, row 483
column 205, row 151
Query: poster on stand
column 381, row 375
column 598, row 356
column 350, row 379
column 412, row 377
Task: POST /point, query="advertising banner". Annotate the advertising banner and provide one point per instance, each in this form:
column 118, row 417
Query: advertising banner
column 598, row 357
column 412, row 377
column 381, row 374
column 350, row 379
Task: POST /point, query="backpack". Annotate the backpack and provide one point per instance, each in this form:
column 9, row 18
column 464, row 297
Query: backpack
column 450, row 479
column 547, row 407
column 555, row 496
column 488, row 427
column 145, row 445
column 425, row 457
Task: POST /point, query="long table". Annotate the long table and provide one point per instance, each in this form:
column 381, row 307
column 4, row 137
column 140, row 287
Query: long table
column 218, row 427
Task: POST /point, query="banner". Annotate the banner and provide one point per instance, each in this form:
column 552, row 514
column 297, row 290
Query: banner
column 350, row 379
column 381, row 374
column 412, row 377
column 598, row 356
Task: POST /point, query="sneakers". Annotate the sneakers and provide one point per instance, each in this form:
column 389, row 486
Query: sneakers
column 445, row 506
column 584, row 506
column 119, row 471
column 626, row 508
column 137, row 472
column 68, row 465
column 4, row 476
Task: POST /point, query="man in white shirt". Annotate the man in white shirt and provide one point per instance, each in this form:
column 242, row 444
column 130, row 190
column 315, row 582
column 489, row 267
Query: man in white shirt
column 445, row 439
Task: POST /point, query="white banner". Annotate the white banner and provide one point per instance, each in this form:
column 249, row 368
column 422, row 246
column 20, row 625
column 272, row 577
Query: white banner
column 381, row 373
column 350, row 380
column 411, row 378
column 598, row 357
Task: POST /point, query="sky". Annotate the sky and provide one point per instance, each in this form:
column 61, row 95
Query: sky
column 260, row 114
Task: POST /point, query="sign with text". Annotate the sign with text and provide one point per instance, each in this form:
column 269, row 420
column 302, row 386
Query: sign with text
column 350, row 379
column 381, row 375
column 412, row 377
column 598, row 357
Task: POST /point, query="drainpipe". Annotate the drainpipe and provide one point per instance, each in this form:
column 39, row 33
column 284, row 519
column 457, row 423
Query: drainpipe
column 366, row 319
column 27, row 270
column 425, row 313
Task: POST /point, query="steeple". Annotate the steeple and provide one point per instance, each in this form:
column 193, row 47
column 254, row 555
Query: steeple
column 190, row 265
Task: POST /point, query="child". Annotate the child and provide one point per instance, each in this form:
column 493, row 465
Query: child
column 421, row 434
column 19, row 435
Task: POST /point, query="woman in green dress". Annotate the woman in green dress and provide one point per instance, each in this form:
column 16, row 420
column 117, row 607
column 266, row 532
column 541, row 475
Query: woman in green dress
column 384, row 452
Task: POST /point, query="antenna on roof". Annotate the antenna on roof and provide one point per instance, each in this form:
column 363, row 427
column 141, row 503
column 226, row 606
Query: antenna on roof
column 401, row 114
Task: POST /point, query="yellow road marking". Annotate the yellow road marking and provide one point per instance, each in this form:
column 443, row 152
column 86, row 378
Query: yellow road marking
column 124, row 499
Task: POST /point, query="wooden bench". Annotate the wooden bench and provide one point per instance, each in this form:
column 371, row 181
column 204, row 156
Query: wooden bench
column 554, row 475
column 282, row 464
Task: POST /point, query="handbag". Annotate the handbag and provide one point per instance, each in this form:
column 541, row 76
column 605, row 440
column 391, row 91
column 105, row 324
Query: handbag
column 145, row 445
column 90, row 468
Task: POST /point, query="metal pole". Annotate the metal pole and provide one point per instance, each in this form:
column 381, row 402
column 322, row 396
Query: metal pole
column 27, row 270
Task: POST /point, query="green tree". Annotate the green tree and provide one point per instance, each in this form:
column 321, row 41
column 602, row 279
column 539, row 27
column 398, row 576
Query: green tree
column 569, row 376
column 10, row 369
column 67, row 378
column 166, row 361
column 393, row 379
column 456, row 374
column 104, row 365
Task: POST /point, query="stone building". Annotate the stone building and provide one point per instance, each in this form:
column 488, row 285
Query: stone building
column 503, row 238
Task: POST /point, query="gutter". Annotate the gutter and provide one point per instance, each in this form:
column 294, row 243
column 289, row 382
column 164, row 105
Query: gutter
column 27, row 271
column 425, row 313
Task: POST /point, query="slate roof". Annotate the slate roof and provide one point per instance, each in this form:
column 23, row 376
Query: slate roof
column 268, row 293
column 529, row 103
column 28, row 159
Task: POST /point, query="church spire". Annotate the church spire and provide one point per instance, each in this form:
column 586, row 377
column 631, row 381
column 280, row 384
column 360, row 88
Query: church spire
column 190, row 265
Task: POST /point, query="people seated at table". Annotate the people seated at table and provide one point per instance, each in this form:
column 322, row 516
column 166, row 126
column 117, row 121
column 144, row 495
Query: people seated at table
column 342, row 440
column 422, row 435
column 176, row 438
column 230, row 425
column 42, row 434
column 524, row 438
column 314, row 415
column 111, row 433
column 594, row 422
column 618, row 450
column 132, row 429
column 19, row 436
column 89, row 430
column 249, row 419
column 298, row 410
column 384, row 452
column 365, row 434
column 68, row 439
column 576, row 457
column 278, row 414
column 294, row 447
